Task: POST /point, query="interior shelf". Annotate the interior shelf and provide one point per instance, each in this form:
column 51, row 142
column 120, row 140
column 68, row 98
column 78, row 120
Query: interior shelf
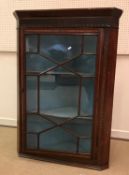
column 85, row 75
column 64, row 112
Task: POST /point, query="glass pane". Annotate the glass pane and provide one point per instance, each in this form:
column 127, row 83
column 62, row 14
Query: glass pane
column 31, row 93
column 60, row 48
column 57, row 140
column 37, row 123
column 55, row 95
column 37, row 63
column 84, row 64
column 82, row 129
column 87, row 97
column 31, row 43
column 31, row 141
column 85, row 145
column 90, row 42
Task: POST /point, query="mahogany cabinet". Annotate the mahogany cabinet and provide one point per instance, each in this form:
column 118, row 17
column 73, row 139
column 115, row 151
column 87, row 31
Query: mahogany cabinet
column 67, row 62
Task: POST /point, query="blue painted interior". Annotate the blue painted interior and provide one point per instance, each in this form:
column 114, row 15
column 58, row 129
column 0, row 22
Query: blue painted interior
column 58, row 139
column 59, row 90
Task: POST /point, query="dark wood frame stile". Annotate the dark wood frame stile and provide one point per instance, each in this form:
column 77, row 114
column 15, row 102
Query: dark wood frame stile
column 104, row 22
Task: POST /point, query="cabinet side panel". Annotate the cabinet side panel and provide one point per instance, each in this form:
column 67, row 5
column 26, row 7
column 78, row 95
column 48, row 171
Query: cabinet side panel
column 108, row 76
column 21, row 111
column 97, row 96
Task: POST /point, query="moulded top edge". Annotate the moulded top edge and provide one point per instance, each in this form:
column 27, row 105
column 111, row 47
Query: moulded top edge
column 81, row 12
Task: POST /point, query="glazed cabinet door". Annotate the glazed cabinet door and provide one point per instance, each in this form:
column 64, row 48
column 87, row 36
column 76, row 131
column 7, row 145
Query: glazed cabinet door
column 61, row 76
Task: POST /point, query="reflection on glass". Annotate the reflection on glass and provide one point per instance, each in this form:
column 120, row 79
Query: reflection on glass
column 60, row 48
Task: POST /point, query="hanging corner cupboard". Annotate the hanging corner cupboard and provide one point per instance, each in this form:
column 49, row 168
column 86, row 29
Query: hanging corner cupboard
column 67, row 62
